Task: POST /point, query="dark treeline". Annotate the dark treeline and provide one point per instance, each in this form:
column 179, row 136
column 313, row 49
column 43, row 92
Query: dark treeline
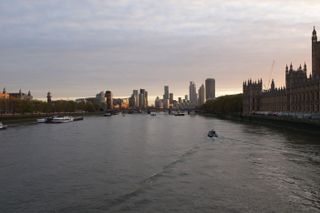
column 12, row 106
column 225, row 105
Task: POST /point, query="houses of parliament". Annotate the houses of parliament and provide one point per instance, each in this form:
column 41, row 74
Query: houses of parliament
column 301, row 93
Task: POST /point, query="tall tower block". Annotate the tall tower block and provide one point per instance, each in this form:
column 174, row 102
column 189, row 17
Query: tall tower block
column 315, row 54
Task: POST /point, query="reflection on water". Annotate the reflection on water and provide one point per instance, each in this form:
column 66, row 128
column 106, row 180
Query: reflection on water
column 141, row 163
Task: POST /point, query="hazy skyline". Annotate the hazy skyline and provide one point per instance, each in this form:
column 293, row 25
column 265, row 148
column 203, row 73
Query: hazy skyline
column 78, row 48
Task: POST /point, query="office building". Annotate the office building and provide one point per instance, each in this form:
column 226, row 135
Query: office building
column 201, row 94
column 109, row 100
column 166, row 92
column 210, row 84
column 193, row 94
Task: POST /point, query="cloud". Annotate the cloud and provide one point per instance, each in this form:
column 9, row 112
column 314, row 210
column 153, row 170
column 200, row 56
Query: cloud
column 78, row 48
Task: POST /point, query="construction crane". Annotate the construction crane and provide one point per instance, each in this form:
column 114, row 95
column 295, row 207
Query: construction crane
column 270, row 75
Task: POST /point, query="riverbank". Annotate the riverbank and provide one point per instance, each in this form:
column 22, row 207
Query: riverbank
column 303, row 125
column 19, row 119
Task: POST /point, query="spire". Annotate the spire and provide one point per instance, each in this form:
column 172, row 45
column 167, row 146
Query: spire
column 4, row 90
column 305, row 67
column 287, row 68
column 49, row 97
column 314, row 35
column 29, row 93
column 291, row 67
column 272, row 85
column 20, row 93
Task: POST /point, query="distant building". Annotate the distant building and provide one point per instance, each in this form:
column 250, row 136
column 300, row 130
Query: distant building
column 166, row 103
column 171, row 98
column 135, row 96
column 201, row 99
column 109, row 100
column 193, row 94
column 146, row 103
column 49, row 97
column 21, row 96
column 210, row 84
column 166, row 92
column 121, row 103
column 301, row 93
column 4, row 94
column 158, row 103
column 101, row 97
column 143, row 99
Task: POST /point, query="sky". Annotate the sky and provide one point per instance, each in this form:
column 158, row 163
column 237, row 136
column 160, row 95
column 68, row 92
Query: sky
column 77, row 48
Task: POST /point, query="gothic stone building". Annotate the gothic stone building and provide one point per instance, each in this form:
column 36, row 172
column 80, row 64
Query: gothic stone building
column 301, row 93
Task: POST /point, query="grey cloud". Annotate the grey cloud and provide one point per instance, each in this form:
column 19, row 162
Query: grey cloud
column 83, row 47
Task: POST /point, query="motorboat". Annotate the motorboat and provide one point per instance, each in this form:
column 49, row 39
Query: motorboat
column 153, row 113
column 42, row 120
column 79, row 118
column 62, row 119
column 212, row 134
column 107, row 114
column 179, row 114
column 3, row 126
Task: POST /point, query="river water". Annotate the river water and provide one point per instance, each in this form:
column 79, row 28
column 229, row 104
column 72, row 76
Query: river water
column 140, row 163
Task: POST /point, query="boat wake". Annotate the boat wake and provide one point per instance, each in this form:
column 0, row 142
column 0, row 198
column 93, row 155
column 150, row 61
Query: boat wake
column 147, row 182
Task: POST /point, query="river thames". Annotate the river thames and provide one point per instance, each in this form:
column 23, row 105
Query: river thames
column 141, row 163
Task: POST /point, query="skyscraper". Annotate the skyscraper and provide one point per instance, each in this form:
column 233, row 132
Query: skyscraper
column 201, row 95
column 143, row 99
column 135, row 95
column 171, row 98
column 210, row 89
column 193, row 94
column 166, row 92
column 109, row 100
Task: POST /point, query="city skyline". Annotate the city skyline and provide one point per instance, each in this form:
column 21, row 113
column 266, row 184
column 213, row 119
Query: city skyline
column 77, row 49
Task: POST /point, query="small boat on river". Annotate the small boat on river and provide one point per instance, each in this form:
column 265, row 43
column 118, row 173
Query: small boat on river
column 61, row 119
column 107, row 114
column 212, row 134
column 78, row 118
column 42, row 120
column 178, row 113
column 2, row 126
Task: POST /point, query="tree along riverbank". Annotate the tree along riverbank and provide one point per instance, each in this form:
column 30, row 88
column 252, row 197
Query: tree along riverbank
column 29, row 118
column 230, row 107
column 16, row 106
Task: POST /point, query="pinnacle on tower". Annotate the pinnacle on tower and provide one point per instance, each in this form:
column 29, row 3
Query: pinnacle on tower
column 314, row 35
column 272, row 85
